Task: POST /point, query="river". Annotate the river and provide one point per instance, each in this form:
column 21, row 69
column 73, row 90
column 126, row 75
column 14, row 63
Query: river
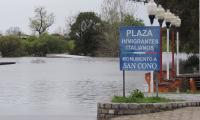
column 60, row 88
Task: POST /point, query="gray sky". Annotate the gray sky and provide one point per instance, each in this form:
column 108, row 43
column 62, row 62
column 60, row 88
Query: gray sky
column 17, row 12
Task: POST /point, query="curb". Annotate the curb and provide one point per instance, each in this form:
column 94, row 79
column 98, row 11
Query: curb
column 105, row 111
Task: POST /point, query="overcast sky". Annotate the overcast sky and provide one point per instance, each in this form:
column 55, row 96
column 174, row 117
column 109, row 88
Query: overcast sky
column 17, row 12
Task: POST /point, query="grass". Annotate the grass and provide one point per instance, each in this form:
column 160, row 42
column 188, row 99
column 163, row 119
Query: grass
column 138, row 97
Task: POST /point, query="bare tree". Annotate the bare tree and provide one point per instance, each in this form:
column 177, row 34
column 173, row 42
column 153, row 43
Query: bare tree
column 115, row 10
column 114, row 13
column 69, row 22
column 13, row 31
column 41, row 21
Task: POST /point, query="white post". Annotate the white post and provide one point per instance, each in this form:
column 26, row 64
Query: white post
column 168, row 54
column 152, row 83
column 177, row 53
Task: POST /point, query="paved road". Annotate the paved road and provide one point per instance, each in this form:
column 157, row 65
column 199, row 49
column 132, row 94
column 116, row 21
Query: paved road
column 190, row 113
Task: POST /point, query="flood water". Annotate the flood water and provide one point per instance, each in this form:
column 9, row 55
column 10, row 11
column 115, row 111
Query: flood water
column 60, row 88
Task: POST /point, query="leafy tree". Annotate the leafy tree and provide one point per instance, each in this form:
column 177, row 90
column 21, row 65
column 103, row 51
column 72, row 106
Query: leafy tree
column 42, row 21
column 86, row 32
column 188, row 11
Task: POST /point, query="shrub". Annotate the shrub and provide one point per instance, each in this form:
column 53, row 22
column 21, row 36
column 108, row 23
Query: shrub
column 136, row 94
column 70, row 45
column 190, row 64
column 53, row 43
column 45, row 44
column 11, row 46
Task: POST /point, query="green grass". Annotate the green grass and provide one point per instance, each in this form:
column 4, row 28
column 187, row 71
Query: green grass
column 138, row 97
column 120, row 99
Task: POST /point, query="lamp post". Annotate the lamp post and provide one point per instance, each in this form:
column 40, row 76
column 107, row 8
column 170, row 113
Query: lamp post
column 177, row 24
column 168, row 15
column 173, row 27
column 156, row 12
column 151, row 8
column 160, row 17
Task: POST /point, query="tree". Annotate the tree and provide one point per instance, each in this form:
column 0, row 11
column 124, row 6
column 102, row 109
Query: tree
column 115, row 14
column 70, row 20
column 132, row 21
column 86, row 31
column 188, row 11
column 110, row 45
column 42, row 21
column 113, row 10
column 14, row 31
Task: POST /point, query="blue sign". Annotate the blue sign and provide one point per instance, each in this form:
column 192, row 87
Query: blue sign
column 140, row 48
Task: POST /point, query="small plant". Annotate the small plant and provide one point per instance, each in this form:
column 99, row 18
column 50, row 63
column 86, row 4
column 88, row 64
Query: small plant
column 137, row 94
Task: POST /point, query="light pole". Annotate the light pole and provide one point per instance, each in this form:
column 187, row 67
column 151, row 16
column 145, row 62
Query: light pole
column 173, row 27
column 156, row 12
column 151, row 8
column 177, row 24
column 160, row 17
column 168, row 15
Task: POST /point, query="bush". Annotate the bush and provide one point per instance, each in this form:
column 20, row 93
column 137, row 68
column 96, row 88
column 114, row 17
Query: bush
column 70, row 45
column 190, row 64
column 11, row 46
column 53, row 44
column 136, row 94
column 45, row 44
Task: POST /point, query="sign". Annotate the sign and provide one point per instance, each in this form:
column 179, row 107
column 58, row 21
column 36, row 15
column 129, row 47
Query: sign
column 140, row 48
